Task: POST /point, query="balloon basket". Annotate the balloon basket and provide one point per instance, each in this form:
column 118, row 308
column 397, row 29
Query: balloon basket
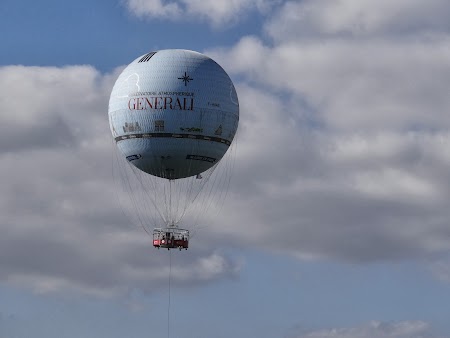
column 171, row 238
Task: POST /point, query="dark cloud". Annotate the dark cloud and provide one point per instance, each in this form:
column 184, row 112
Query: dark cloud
column 41, row 134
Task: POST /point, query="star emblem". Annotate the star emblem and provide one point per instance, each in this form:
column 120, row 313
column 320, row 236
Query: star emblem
column 186, row 78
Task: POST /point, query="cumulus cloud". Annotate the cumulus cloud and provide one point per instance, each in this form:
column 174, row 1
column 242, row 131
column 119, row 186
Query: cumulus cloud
column 343, row 137
column 62, row 229
column 351, row 84
column 341, row 154
column 376, row 329
column 340, row 195
column 217, row 12
column 363, row 19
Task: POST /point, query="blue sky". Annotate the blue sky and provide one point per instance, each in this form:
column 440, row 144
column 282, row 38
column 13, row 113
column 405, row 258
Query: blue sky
column 336, row 223
column 55, row 33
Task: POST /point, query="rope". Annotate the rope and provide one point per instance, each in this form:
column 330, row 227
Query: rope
column 168, row 306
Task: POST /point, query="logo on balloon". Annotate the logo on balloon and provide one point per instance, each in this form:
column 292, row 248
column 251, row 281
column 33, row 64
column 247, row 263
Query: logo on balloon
column 186, row 78
column 161, row 102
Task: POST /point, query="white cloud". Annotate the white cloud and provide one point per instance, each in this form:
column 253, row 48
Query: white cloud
column 357, row 18
column 341, row 155
column 376, row 82
column 352, row 84
column 376, row 329
column 217, row 12
column 62, row 229
column 343, row 143
column 343, row 195
column 345, row 136
column 154, row 8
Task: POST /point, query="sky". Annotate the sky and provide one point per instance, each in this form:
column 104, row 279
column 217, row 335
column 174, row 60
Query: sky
column 336, row 221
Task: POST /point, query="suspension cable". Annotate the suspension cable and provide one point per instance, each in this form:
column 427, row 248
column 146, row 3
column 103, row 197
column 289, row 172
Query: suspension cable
column 170, row 203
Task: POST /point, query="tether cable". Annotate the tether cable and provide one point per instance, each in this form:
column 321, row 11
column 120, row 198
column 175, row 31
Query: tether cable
column 168, row 305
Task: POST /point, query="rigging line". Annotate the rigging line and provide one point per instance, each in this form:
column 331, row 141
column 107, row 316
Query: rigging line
column 219, row 182
column 207, row 200
column 189, row 182
column 170, row 201
column 166, row 204
column 193, row 197
column 224, row 181
column 172, row 217
column 134, row 198
column 143, row 180
column 142, row 200
column 135, row 201
column 126, row 184
column 115, row 166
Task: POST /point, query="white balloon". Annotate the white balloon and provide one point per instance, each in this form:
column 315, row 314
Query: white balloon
column 173, row 113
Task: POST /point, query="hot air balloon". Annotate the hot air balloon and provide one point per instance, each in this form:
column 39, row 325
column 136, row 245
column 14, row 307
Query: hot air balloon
column 173, row 115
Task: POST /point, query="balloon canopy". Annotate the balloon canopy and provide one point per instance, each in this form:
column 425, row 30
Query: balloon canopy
column 173, row 113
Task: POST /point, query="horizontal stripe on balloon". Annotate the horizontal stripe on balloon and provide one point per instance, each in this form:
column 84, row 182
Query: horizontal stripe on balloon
column 173, row 135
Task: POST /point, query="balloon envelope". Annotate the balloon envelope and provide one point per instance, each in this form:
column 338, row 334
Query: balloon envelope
column 173, row 113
